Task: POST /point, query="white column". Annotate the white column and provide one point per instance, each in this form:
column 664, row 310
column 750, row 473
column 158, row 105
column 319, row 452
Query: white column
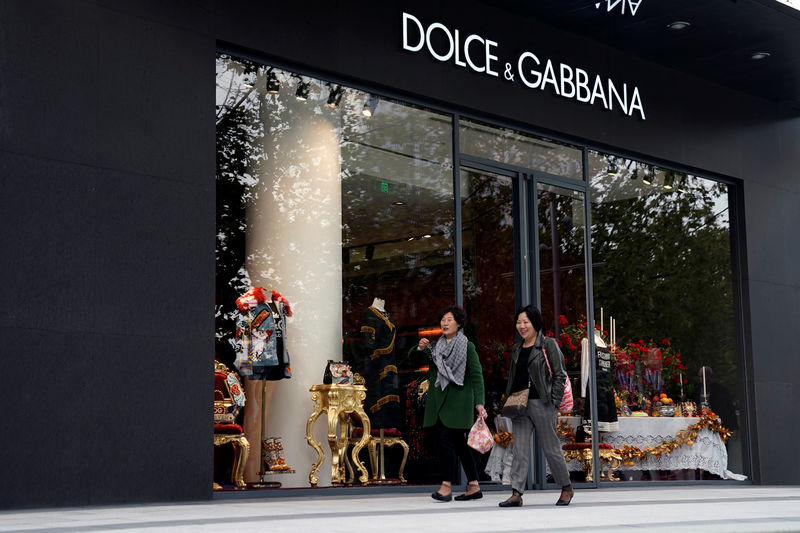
column 295, row 247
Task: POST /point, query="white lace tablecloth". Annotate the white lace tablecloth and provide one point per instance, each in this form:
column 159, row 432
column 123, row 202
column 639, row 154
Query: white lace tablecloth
column 708, row 452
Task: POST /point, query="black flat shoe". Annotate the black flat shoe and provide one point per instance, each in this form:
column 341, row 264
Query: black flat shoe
column 566, row 502
column 474, row 496
column 442, row 498
column 511, row 502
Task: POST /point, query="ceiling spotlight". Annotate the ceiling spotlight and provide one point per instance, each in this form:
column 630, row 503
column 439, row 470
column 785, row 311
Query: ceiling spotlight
column 669, row 179
column 757, row 56
column 370, row 106
column 398, row 203
column 249, row 76
column 612, row 169
column 370, row 253
column 273, row 84
column 647, row 179
column 427, row 236
column 303, row 88
column 335, row 96
column 678, row 25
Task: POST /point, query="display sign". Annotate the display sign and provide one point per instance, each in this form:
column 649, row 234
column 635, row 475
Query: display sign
column 632, row 5
column 483, row 55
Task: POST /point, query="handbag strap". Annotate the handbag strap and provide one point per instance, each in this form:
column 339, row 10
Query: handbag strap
column 546, row 361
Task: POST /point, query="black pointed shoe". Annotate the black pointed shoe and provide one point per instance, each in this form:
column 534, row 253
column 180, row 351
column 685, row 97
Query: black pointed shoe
column 474, row 496
column 511, row 502
column 566, row 502
column 441, row 497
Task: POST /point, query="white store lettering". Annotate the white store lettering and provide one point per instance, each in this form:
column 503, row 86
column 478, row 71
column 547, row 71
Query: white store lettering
column 416, row 36
column 561, row 79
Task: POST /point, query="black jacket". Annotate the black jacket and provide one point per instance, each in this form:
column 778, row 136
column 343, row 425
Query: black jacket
column 546, row 386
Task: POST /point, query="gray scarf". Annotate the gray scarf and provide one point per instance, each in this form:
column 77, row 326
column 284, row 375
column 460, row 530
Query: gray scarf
column 451, row 360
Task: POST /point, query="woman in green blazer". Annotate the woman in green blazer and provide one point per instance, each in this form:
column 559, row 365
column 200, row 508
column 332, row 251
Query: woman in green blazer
column 455, row 388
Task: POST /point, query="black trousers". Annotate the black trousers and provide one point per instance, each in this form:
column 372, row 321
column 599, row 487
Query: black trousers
column 452, row 444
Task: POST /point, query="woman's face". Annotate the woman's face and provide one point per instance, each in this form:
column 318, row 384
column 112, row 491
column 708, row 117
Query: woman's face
column 449, row 325
column 525, row 328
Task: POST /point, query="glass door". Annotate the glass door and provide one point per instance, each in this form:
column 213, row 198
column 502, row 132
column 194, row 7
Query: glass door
column 490, row 268
column 560, row 291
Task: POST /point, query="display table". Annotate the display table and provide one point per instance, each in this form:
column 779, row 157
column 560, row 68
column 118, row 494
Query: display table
column 708, row 452
column 338, row 401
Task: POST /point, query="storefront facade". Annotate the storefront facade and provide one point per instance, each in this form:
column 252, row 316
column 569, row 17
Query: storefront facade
column 417, row 154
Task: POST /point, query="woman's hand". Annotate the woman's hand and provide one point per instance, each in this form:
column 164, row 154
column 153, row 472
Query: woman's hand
column 481, row 411
column 423, row 343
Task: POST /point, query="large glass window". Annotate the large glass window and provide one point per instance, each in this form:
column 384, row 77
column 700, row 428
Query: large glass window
column 504, row 145
column 663, row 287
column 340, row 205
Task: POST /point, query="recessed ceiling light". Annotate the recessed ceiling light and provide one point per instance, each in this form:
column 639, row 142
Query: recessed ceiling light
column 759, row 55
column 678, row 25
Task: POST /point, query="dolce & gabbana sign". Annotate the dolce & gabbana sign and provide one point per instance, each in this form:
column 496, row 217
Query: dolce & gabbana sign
column 482, row 55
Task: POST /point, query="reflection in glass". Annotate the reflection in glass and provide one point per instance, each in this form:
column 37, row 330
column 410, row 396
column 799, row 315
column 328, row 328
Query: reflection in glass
column 520, row 149
column 488, row 266
column 661, row 248
column 562, row 268
column 335, row 198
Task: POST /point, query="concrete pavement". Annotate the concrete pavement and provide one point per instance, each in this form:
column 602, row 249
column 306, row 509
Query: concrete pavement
column 702, row 508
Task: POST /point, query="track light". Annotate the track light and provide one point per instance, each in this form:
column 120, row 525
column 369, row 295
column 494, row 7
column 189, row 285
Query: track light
column 303, row 89
column 273, row 84
column 669, row 179
column 250, row 75
column 647, row 179
column 370, row 106
column 335, row 96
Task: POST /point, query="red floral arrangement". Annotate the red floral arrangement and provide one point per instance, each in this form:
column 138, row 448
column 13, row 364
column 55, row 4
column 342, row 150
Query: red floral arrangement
column 569, row 340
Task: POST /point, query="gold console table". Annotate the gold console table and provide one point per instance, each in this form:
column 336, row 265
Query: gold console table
column 339, row 402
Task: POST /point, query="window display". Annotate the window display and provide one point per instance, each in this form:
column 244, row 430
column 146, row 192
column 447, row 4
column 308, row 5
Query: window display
column 351, row 205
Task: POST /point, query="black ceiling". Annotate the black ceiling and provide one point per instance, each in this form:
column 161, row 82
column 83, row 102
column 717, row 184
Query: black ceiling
column 717, row 46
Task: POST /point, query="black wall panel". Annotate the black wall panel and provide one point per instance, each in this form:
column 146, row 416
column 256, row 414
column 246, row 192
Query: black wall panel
column 107, row 159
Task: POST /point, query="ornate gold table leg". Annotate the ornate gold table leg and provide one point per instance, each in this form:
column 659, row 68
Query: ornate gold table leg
column 337, row 442
column 365, row 436
column 242, row 450
column 612, row 460
column 373, row 456
column 392, row 441
column 587, row 462
column 312, row 476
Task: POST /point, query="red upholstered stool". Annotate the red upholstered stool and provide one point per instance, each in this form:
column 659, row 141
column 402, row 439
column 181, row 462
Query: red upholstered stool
column 383, row 438
column 610, row 459
column 228, row 399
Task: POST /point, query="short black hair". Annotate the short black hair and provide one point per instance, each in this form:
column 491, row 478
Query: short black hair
column 458, row 313
column 533, row 314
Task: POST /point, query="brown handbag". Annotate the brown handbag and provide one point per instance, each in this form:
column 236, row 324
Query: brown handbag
column 517, row 403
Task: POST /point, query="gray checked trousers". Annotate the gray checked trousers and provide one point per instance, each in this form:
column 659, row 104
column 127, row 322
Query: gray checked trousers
column 541, row 415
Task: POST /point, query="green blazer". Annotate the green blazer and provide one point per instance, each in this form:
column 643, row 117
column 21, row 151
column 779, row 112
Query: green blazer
column 455, row 405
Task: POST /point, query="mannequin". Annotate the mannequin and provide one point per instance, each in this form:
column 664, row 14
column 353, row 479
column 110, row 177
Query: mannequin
column 380, row 367
column 604, row 372
column 261, row 356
